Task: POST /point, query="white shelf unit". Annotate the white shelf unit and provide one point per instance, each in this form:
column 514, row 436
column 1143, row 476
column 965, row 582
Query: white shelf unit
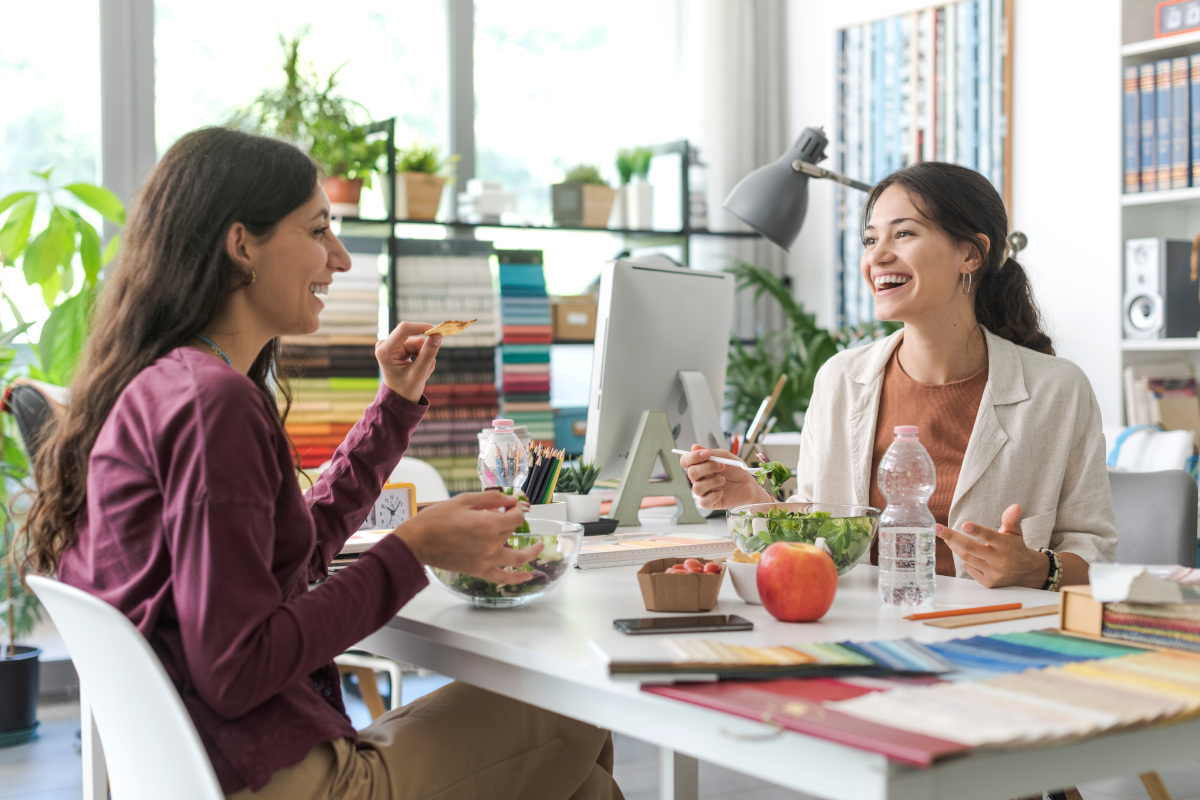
column 1173, row 214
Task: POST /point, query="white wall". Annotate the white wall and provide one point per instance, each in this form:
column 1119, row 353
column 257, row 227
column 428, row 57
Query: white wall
column 1066, row 167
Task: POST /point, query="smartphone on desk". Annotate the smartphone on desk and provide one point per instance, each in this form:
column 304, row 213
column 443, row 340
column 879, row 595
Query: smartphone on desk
column 705, row 623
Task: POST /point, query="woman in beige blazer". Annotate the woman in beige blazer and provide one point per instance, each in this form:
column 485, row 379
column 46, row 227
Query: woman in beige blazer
column 1031, row 505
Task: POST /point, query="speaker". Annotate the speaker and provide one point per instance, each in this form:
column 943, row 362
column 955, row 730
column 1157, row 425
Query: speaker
column 1160, row 298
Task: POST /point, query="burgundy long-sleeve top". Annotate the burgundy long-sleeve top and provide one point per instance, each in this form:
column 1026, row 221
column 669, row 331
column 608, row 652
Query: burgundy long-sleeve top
column 196, row 528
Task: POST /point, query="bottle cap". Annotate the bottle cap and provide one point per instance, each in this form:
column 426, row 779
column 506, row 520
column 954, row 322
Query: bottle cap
column 502, row 423
column 910, row 430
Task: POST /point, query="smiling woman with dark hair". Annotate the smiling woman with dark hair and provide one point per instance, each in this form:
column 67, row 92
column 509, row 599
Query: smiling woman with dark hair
column 168, row 489
column 1022, row 493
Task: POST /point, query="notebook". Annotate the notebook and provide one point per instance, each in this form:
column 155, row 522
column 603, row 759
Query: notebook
column 624, row 549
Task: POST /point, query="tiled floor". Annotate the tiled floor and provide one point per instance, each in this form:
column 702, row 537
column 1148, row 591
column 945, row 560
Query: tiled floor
column 49, row 768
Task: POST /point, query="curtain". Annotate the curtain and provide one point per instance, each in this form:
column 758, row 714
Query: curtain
column 734, row 70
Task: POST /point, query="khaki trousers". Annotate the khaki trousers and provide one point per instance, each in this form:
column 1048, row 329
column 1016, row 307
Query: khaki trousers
column 457, row 742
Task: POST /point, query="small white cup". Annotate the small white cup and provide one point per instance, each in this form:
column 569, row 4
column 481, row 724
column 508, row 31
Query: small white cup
column 556, row 510
column 745, row 580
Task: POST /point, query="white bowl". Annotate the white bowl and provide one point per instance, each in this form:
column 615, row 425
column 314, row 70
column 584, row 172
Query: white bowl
column 745, row 580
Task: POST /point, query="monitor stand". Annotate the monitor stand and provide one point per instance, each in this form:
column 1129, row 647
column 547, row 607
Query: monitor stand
column 653, row 442
column 700, row 412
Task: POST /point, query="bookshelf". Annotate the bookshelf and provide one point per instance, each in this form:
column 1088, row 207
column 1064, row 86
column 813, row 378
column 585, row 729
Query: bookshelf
column 566, row 357
column 1172, row 214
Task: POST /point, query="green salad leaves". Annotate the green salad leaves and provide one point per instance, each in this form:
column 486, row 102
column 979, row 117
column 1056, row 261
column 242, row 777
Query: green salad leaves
column 848, row 538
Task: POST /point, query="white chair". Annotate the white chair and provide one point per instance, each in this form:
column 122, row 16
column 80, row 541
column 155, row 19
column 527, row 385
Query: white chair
column 1156, row 517
column 150, row 744
column 429, row 483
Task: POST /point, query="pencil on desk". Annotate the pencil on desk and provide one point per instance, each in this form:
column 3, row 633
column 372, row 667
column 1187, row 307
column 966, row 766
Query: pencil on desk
column 955, row 612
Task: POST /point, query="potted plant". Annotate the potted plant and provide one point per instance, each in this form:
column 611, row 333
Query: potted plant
column 575, row 484
column 308, row 111
column 634, row 203
column 799, row 348
column 583, row 199
column 63, row 260
column 348, row 158
column 420, row 178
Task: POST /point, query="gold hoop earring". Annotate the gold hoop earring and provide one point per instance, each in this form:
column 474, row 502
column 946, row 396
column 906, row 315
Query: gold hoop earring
column 253, row 277
column 967, row 280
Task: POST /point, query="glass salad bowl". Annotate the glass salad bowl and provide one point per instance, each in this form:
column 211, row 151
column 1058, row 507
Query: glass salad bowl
column 562, row 542
column 847, row 530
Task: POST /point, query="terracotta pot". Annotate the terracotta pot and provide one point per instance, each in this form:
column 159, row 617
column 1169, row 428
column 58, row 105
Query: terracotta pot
column 418, row 195
column 343, row 194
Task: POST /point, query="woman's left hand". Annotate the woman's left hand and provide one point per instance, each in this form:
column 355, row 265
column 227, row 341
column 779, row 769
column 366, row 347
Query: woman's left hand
column 998, row 557
column 407, row 359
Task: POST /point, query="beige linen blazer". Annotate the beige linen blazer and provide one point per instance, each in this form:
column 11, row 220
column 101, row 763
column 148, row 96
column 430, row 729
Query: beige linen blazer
column 1036, row 441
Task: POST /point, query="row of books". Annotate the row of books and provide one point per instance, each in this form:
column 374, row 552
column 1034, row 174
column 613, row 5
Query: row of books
column 922, row 86
column 525, row 351
column 333, row 373
column 1162, row 124
column 439, row 280
column 1162, row 394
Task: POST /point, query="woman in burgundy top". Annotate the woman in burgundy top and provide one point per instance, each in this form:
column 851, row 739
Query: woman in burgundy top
column 168, row 488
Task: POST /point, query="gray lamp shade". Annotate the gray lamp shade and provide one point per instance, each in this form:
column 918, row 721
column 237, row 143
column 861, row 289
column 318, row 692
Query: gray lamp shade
column 773, row 199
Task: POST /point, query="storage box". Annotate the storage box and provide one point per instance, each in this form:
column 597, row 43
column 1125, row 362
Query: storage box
column 570, row 429
column 1078, row 612
column 693, row 591
column 574, row 318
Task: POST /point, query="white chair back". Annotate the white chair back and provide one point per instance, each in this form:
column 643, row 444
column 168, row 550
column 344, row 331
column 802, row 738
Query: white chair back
column 421, row 474
column 1156, row 517
column 150, row 744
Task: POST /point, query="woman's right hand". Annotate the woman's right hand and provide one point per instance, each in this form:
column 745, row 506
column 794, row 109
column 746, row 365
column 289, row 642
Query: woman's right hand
column 719, row 485
column 469, row 533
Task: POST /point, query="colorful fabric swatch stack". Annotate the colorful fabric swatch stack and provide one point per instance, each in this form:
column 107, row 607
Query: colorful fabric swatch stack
column 1005, row 690
column 1156, row 624
column 333, row 372
column 438, row 280
column 525, row 313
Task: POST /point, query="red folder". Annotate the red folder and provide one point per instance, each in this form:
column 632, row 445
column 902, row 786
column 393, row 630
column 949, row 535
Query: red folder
column 798, row 706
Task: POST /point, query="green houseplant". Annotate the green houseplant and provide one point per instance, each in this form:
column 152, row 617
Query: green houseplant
column 421, row 173
column 583, row 199
column 308, row 110
column 799, row 348
column 574, row 485
column 62, row 256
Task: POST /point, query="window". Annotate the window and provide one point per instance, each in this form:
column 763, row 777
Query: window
column 52, row 112
column 215, row 57
column 558, row 84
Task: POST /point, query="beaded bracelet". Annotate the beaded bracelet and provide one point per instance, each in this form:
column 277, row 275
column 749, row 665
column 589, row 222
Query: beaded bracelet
column 1055, row 576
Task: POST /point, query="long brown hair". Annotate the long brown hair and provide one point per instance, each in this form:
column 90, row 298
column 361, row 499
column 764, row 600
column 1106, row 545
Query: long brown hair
column 964, row 204
column 169, row 279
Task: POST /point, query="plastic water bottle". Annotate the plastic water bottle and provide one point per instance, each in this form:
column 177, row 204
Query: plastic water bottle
column 907, row 544
column 503, row 460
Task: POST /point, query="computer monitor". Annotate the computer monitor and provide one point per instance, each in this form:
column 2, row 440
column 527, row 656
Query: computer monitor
column 654, row 322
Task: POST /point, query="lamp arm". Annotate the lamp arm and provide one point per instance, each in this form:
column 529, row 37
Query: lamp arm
column 812, row 170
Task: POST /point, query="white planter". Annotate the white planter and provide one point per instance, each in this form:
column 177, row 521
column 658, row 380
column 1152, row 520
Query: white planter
column 580, row 507
column 633, row 207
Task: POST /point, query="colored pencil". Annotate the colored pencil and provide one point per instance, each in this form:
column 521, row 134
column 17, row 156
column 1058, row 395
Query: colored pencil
column 956, row 612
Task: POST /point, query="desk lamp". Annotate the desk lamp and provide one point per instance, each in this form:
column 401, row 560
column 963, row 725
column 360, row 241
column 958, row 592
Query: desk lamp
column 773, row 199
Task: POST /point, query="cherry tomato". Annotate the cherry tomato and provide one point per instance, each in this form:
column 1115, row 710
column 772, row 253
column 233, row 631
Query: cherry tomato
column 693, row 565
column 712, row 568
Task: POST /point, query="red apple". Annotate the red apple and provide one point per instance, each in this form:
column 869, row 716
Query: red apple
column 796, row 581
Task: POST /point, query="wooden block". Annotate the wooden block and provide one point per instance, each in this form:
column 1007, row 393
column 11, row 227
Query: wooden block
column 1078, row 612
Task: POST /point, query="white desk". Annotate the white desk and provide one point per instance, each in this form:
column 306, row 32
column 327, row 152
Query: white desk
column 538, row 654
